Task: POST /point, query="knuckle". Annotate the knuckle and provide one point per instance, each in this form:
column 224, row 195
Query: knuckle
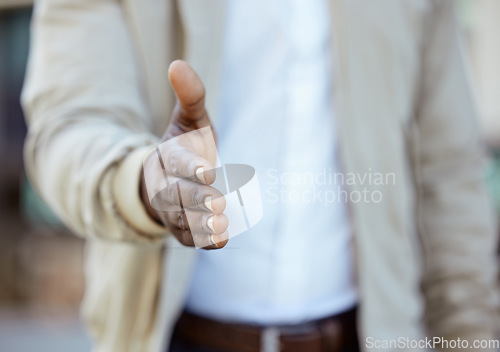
column 176, row 160
column 196, row 195
column 172, row 192
column 202, row 223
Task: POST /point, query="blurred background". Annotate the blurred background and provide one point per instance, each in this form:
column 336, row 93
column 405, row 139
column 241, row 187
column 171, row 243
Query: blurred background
column 41, row 278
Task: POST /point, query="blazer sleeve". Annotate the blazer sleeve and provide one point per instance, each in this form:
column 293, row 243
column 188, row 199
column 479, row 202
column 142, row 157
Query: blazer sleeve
column 456, row 220
column 88, row 125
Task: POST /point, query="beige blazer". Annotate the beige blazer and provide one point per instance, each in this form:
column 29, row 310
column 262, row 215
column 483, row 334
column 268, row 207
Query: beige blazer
column 97, row 97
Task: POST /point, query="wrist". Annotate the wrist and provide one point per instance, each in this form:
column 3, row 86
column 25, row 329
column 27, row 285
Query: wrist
column 143, row 193
column 132, row 204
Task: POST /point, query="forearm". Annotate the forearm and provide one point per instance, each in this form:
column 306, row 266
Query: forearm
column 86, row 116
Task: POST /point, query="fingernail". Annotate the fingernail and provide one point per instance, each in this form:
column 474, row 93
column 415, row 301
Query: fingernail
column 208, row 203
column 210, row 223
column 200, row 174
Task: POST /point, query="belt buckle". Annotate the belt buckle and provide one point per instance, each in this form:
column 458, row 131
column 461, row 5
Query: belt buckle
column 270, row 339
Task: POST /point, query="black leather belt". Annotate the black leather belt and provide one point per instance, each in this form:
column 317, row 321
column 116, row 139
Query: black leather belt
column 332, row 334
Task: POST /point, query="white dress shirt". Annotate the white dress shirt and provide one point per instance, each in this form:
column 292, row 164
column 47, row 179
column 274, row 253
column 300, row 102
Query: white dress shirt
column 276, row 114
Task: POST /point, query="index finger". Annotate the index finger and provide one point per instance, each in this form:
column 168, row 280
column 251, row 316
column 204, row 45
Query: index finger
column 181, row 162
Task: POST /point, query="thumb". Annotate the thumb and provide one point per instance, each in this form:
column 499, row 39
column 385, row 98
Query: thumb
column 190, row 93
